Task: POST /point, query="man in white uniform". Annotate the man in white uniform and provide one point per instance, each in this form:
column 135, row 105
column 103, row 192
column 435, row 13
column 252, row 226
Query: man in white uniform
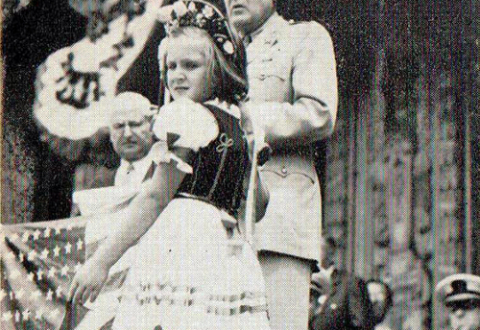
column 293, row 99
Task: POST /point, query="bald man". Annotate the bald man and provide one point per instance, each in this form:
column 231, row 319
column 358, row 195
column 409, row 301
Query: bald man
column 132, row 138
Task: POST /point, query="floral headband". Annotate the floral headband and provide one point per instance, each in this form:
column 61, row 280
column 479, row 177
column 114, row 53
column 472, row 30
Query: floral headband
column 203, row 15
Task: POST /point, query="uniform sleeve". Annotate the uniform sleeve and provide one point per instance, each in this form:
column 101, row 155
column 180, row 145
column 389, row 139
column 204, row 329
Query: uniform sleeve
column 312, row 115
column 183, row 124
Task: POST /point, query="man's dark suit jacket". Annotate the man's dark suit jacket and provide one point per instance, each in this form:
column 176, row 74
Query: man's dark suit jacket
column 348, row 306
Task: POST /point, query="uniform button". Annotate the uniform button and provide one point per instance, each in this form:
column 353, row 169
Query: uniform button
column 284, row 170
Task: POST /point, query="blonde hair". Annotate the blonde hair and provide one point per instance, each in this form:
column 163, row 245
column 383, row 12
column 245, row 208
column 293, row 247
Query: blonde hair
column 227, row 80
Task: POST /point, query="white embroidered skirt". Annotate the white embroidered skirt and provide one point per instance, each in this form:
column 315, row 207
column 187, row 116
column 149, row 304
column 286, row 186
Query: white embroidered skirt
column 191, row 273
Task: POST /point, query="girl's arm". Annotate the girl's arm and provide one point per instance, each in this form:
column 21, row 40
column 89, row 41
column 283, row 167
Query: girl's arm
column 135, row 221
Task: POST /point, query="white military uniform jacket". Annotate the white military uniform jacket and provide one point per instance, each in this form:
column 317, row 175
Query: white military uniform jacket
column 293, row 97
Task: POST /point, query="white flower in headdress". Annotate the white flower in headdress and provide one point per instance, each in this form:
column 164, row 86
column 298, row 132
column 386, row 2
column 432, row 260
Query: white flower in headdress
column 228, row 47
column 192, row 7
column 164, row 14
column 208, row 11
column 180, row 8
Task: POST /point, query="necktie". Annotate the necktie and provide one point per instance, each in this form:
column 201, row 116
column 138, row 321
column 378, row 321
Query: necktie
column 129, row 177
column 130, row 169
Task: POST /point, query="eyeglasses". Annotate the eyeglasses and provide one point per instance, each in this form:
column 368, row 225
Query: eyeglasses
column 466, row 305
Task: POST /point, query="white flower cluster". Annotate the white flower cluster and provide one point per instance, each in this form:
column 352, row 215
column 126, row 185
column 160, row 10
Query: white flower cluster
column 167, row 14
column 172, row 14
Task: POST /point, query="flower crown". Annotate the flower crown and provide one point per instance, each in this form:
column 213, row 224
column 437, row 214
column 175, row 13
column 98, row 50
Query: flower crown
column 203, row 15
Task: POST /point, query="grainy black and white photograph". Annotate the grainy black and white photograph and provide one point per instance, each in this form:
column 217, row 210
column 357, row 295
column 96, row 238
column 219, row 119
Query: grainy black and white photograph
column 240, row 165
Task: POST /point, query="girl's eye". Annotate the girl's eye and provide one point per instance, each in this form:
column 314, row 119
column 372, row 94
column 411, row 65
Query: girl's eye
column 171, row 66
column 191, row 65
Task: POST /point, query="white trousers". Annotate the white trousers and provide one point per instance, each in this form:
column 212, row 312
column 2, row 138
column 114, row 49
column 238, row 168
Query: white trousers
column 287, row 281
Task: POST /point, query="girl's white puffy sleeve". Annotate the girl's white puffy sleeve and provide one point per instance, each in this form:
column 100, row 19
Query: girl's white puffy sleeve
column 183, row 124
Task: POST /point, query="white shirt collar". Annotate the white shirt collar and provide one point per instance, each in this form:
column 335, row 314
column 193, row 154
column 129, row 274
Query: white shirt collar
column 140, row 166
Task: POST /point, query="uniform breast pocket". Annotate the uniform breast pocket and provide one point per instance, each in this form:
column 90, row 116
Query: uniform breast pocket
column 269, row 70
column 292, row 179
column 270, row 81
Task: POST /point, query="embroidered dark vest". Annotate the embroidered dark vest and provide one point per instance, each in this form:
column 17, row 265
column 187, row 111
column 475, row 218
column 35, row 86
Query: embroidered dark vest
column 220, row 167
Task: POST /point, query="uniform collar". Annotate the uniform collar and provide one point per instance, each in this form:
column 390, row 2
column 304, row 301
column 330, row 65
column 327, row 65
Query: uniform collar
column 269, row 28
column 265, row 37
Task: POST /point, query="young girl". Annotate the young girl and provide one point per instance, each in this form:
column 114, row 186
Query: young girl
column 191, row 270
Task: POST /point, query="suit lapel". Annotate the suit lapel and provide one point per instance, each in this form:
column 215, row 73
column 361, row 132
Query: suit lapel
column 150, row 172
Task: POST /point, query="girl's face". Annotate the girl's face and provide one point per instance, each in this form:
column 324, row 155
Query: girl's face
column 187, row 70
